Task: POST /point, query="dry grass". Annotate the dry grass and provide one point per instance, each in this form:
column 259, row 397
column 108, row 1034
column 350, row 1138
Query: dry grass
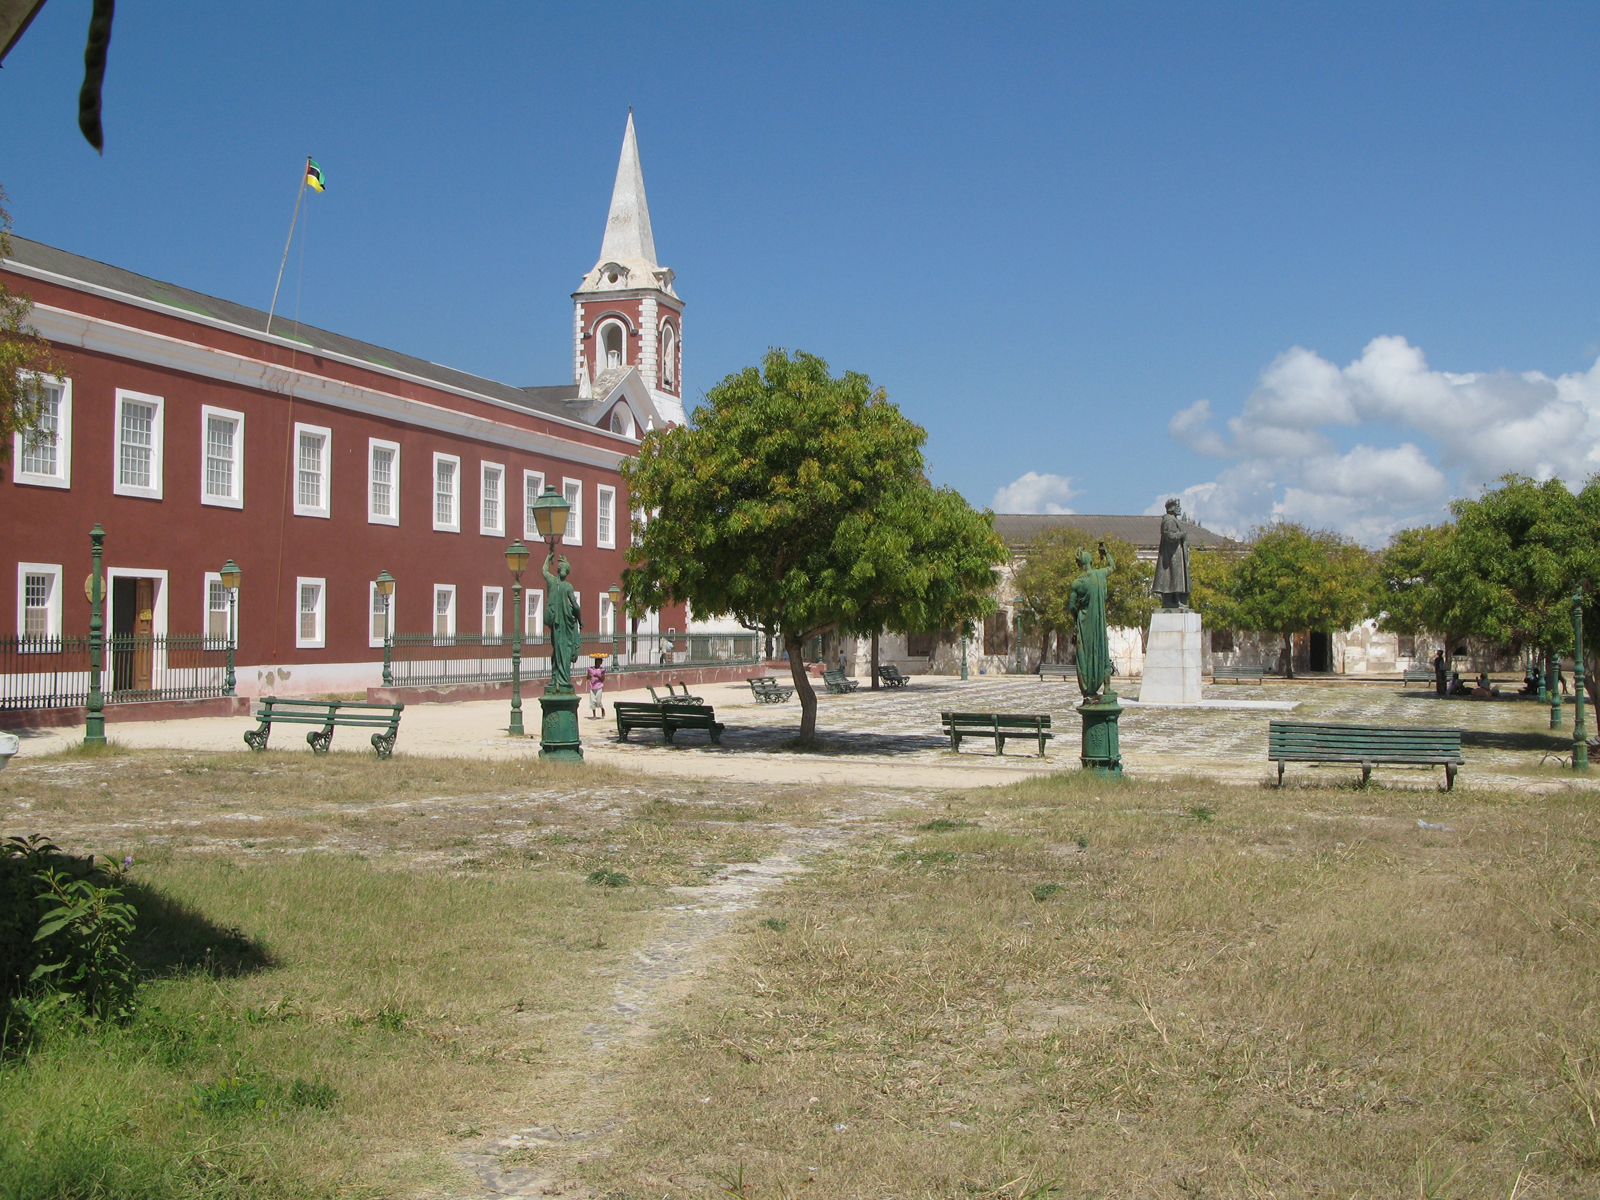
column 1222, row 992
column 417, row 935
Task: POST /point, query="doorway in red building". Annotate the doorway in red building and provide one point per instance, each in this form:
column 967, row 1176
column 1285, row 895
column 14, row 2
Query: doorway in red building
column 133, row 604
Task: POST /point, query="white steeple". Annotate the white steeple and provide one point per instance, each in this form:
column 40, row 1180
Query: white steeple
column 628, row 252
column 628, row 224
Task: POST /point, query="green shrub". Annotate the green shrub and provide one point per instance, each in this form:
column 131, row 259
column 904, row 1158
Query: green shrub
column 604, row 877
column 64, row 928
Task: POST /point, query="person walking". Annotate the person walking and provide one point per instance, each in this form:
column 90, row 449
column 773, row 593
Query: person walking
column 597, row 687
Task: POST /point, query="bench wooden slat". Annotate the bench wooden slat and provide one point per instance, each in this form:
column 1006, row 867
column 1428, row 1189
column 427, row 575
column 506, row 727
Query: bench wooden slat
column 331, row 715
column 669, row 718
column 1408, row 745
column 999, row 726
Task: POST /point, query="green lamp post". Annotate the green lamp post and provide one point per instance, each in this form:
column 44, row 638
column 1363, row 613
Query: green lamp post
column 517, row 561
column 615, row 592
column 94, row 724
column 230, row 574
column 385, row 585
column 558, row 728
column 1580, row 736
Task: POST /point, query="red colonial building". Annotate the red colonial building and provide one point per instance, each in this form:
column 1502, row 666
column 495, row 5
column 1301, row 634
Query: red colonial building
column 194, row 434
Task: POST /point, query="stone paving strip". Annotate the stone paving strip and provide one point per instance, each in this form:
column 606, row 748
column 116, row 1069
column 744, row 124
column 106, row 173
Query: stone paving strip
column 892, row 737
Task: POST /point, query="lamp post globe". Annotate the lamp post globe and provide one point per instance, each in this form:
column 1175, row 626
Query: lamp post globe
column 229, row 575
column 517, row 563
column 385, row 587
column 615, row 593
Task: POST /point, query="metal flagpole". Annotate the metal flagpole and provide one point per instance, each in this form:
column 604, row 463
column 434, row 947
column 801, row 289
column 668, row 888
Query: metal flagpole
column 286, row 241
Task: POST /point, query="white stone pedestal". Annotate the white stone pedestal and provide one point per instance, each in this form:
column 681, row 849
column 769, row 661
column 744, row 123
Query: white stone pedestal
column 1172, row 660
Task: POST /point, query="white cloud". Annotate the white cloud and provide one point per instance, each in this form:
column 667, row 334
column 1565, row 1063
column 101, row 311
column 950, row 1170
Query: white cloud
column 1287, row 465
column 1035, row 493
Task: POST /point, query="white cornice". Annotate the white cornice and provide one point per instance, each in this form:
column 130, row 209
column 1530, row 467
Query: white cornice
column 141, row 345
column 184, row 314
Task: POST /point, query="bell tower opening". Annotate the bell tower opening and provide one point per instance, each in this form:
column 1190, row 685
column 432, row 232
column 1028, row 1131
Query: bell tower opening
column 612, row 344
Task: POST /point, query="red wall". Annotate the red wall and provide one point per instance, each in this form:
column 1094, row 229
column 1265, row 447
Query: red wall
column 271, row 545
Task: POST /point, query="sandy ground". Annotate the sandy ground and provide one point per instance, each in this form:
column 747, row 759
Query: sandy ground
column 891, row 738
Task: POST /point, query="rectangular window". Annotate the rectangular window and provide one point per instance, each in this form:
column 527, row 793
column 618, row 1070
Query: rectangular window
column 608, row 616
column 997, row 633
column 38, row 601
column 444, row 611
column 573, row 490
column 140, row 435
column 533, row 619
column 1222, row 641
column 222, row 453
column 605, row 504
column 492, row 518
column 532, row 489
column 919, row 645
column 216, row 609
column 380, row 620
column 44, row 454
column 383, row 482
column 311, row 626
column 446, row 484
column 313, row 447
column 491, row 611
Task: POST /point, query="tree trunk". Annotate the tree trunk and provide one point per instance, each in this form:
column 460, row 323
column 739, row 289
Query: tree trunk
column 1288, row 656
column 874, row 660
column 802, row 686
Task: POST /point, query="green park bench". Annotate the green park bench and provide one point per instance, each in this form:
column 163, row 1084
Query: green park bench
column 1420, row 745
column 671, row 697
column 999, row 726
column 683, row 697
column 1057, row 671
column 768, row 690
column 1235, row 674
column 669, row 718
column 1418, row 674
column 837, row 684
column 892, row 676
column 331, row 715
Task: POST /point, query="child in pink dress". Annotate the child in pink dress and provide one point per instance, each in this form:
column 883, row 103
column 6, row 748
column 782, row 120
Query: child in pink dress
column 597, row 687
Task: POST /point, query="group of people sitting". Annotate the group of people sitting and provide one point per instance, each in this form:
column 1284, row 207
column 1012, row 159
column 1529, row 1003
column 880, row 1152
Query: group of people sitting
column 1483, row 688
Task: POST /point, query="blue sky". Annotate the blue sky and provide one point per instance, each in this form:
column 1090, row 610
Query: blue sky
column 1365, row 236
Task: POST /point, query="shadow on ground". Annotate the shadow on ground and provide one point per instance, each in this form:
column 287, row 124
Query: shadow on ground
column 172, row 938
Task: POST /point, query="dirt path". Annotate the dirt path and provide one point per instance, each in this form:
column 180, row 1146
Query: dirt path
column 673, row 965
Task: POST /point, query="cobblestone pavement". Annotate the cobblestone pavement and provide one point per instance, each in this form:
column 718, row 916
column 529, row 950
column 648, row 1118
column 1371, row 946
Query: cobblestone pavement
column 1508, row 742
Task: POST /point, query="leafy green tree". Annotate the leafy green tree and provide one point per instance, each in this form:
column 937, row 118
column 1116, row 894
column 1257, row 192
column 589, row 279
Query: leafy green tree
column 1050, row 564
column 923, row 561
column 24, row 355
column 1294, row 580
column 1427, row 584
column 1211, row 582
column 797, row 501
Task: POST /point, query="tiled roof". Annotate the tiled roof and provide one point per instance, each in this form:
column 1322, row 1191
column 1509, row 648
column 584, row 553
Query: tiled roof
column 1143, row 533
column 75, row 267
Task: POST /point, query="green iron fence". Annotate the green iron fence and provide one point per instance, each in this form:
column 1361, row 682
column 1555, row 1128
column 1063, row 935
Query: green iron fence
column 53, row 672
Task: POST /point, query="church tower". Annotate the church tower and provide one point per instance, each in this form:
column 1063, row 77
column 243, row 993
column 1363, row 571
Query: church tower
column 625, row 314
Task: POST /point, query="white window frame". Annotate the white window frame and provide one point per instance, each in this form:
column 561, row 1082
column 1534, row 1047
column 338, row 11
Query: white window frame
column 484, row 468
column 433, row 494
column 63, row 476
column 605, row 500
column 321, row 640
column 52, row 620
column 373, row 518
column 607, row 625
column 434, row 614
column 205, row 606
column 499, row 613
column 158, row 438
column 372, row 596
column 574, row 534
column 325, row 509
column 529, row 530
column 669, row 357
column 533, row 613
column 236, row 500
